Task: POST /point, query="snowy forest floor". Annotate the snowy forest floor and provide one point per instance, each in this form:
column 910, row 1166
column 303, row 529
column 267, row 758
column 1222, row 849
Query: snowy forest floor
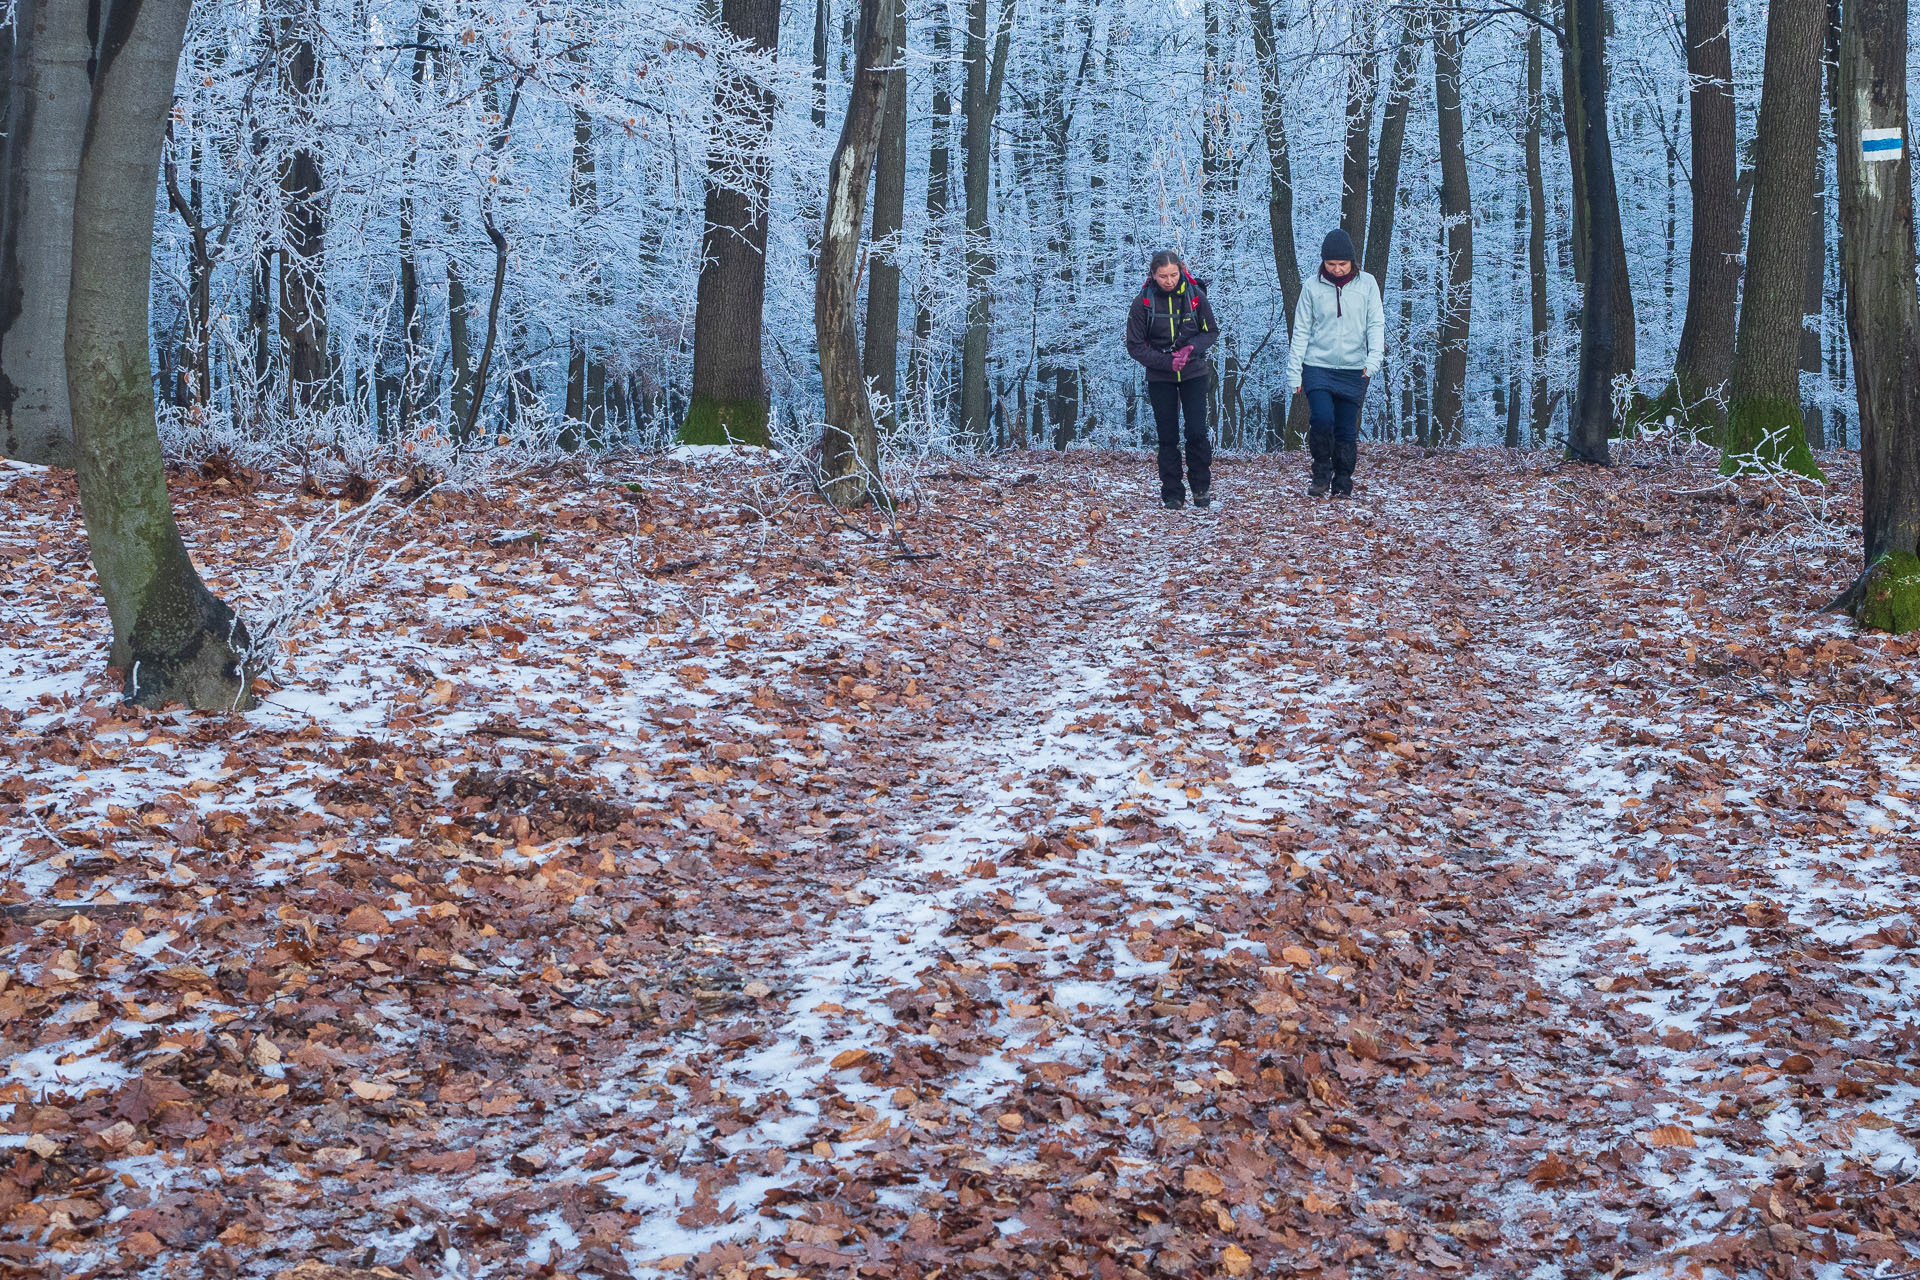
column 1510, row 872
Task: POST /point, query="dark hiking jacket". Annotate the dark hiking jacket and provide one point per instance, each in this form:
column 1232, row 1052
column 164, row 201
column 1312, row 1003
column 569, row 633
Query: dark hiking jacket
column 1160, row 323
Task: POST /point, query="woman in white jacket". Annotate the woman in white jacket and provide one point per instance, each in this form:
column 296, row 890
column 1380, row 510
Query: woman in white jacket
column 1339, row 339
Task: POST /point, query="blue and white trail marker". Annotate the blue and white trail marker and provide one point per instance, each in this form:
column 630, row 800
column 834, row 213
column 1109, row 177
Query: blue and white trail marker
column 1879, row 144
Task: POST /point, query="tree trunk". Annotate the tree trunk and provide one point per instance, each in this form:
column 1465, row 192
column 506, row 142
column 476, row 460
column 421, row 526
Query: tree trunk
column 1765, row 427
column 920, row 361
column 1359, row 135
column 1541, row 405
column 730, row 401
column 1597, row 201
column 1214, row 124
column 585, row 369
column 1406, row 354
column 1456, row 212
column 1286, row 259
column 1813, row 299
column 1883, row 311
column 1606, row 232
column 413, row 374
column 1705, row 358
column 45, row 120
column 1393, row 137
column 850, row 448
column 459, row 336
column 882, row 356
column 174, row 639
column 195, row 382
column 819, row 64
column 978, row 108
column 1273, row 124
column 303, row 290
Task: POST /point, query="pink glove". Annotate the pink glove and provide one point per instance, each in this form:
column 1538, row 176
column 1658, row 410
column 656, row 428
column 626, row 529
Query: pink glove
column 1181, row 357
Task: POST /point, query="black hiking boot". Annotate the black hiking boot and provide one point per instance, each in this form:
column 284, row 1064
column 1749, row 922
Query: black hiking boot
column 1203, row 498
column 1318, row 489
column 1173, row 504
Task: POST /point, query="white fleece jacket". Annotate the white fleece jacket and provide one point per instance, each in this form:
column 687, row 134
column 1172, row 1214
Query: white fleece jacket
column 1343, row 328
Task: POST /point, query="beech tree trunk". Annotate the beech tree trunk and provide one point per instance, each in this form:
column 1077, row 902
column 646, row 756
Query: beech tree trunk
column 172, row 637
column 46, row 119
column 1883, row 311
column 1704, row 361
column 981, row 102
column 1590, row 149
column 882, row 356
column 920, row 361
column 850, row 447
column 586, row 371
column 1765, row 427
column 1273, row 125
column 1541, row 405
column 1814, row 295
column 1393, row 137
column 303, row 289
column 730, row 401
column 1456, row 211
column 413, row 377
column 1359, row 136
column 1603, row 235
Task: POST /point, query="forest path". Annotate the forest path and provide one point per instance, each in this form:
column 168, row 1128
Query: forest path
column 1504, row 873
column 1221, row 923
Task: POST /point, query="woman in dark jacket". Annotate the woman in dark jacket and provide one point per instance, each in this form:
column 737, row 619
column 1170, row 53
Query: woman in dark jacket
column 1169, row 328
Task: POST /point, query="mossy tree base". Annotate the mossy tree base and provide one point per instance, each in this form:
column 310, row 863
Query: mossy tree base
column 1887, row 597
column 1695, row 415
column 1765, row 435
column 189, row 647
column 711, row 421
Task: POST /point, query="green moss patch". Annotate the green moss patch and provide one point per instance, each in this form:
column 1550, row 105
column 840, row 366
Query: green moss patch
column 1890, row 594
column 1690, row 413
column 1766, row 435
column 711, row 421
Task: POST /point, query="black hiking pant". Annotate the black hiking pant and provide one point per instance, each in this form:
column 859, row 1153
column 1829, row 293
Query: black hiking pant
column 1171, row 401
column 1334, row 397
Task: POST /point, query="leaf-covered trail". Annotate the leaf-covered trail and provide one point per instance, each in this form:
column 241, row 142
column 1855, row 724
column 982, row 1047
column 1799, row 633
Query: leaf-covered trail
column 1501, row 874
column 1249, row 768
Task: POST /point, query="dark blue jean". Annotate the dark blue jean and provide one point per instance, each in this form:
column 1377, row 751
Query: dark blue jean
column 1334, row 397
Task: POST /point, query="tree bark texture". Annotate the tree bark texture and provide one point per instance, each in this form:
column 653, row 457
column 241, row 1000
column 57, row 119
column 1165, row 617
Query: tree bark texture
column 1883, row 310
column 1813, row 300
column 1705, row 358
column 1393, row 137
column 1456, row 212
column 921, row 364
column 1540, row 406
column 303, row 289
column 1765, row 427
column 984, row 76
column 586, row 370
column 1361, row 91
column 730, row 401
column 850, row 448
column 1273, row 125
column 1604, row 233
column 47, row 96
column 173, row 638
column 1591, row 151
column 882, row 355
